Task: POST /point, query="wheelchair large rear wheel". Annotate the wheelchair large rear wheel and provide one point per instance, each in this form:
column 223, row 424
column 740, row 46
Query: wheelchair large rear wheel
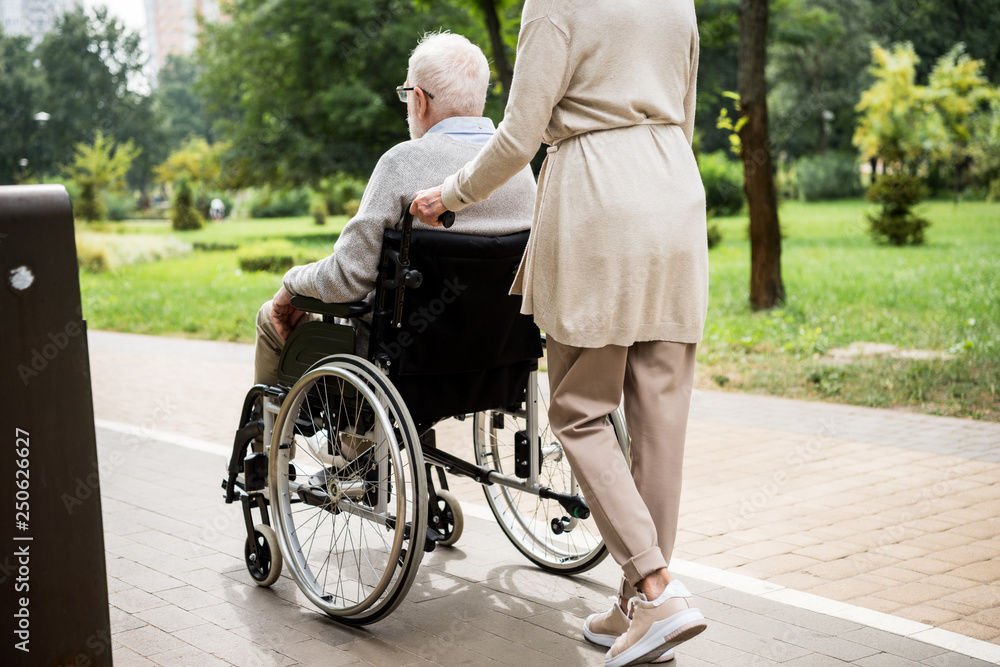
column 538, row 527
column 348, row 490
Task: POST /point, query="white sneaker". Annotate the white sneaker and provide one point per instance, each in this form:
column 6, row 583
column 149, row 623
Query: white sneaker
column 656, row 626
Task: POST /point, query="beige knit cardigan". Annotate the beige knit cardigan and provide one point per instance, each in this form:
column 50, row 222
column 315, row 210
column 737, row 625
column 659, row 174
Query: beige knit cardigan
column 618, row 249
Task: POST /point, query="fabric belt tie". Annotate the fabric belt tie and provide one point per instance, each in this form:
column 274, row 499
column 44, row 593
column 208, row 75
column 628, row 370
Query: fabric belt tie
column 647, row 121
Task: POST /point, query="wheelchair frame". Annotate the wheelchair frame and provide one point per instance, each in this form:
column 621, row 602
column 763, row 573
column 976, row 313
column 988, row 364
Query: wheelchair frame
column 389, row 483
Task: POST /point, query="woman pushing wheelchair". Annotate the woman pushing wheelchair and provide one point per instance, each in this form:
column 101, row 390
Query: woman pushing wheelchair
column 615, row 273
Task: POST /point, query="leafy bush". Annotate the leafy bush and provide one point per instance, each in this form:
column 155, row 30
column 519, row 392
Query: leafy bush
column 351, row 208
column 714, row 235
column 280, row 204
column 723, row 179
column 830, row 176
column 895, row 223
column 119, row 207
column 341, row 191
column 276, row 255
column 185, row 216
column 318, row 209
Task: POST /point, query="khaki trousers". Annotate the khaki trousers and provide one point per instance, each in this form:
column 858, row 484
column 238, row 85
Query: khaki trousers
column 635, row 507
column 268, row 346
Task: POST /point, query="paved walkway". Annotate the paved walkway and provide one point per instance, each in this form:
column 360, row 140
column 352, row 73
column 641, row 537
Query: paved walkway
column 813, row 534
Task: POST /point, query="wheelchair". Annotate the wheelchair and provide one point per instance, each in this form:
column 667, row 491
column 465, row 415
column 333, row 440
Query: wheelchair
column 343, row 453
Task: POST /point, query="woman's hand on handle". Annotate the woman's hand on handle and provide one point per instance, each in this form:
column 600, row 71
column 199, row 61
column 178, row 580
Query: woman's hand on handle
column 428, row 207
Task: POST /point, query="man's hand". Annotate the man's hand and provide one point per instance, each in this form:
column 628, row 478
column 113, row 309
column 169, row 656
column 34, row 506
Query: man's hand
column 428, row 207
column 284, row 315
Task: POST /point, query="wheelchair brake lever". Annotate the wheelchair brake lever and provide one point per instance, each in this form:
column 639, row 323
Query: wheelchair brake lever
column 447, row 219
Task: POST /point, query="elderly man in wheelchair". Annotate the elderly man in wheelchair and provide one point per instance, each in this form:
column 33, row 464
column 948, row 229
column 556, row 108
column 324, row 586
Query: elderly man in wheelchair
column 402, row 327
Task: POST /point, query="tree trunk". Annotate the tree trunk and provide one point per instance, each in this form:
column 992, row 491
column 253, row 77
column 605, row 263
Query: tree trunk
column 504, row 69
column 766, row 287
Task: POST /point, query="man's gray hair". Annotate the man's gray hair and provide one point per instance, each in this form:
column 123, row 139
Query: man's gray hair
column 454, row 70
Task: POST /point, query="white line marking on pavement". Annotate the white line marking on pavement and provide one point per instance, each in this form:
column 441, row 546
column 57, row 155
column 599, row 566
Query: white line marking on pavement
column 951, row 641
column 172, row 438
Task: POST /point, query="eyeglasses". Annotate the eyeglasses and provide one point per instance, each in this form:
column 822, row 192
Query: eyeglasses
column 403, row 90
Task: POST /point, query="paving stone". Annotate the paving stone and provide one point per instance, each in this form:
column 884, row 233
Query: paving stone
column 894, row 644
column 380, row 654
column 314, row 652
column 148, row 640
column 886, row 660
column 188, row 597
column 971, row 629
column 954, row 660
column 914, row 593
column 186, row 656
column 169, row 618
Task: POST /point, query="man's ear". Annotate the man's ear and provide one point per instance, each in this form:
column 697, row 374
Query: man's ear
column 420, row 105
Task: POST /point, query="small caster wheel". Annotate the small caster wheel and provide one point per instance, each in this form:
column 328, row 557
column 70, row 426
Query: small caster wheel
column 563, row 525
column 266, row 569
column 451, row 521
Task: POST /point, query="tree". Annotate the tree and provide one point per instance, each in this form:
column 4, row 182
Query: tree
column 957, row 93
column 891, row 125
column 196, row 160
column 93, row 68
column 985, row 156
column 98, row 167
column 182, row 108
column 935, row 27
column 185, row 216
column 817, row 49
column 305, row 88
column 766, row 287
column 20, row 99
column 718, row 27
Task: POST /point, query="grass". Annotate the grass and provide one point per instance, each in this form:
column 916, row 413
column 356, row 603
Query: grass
column 841, row 288
column 202, row 295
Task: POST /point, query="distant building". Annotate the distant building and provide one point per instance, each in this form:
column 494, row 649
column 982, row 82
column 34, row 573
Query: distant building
column 31, row 17
column 172, row 27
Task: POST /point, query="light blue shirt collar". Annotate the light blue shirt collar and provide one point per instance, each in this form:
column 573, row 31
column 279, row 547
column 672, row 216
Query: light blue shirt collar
column 471, row 129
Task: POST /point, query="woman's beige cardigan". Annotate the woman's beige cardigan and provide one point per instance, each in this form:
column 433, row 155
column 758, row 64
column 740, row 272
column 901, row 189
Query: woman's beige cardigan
column 618, row 250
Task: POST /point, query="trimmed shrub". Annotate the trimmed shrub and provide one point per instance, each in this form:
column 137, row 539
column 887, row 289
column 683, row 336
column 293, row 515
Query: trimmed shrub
column 351, row 208
column 896, row 224
column 830, row 176
column 723, row 179
column 714, row 235
column 280, row 204
column 185, row 217
column 318, row 210
column 276, row 255
column 89, row 206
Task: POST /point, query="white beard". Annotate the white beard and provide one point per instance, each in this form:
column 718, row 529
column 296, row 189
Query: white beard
column 416, row 130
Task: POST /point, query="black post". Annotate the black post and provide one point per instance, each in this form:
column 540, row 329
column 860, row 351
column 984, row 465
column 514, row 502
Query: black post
column 53, row 581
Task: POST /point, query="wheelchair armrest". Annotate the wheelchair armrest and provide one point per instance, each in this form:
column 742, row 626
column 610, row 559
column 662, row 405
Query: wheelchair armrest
column 346, row 310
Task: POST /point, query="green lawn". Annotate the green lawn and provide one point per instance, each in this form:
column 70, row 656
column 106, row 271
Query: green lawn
column 841, row 289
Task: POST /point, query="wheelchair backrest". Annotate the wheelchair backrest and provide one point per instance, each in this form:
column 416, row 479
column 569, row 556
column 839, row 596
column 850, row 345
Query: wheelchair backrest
column 460, row 344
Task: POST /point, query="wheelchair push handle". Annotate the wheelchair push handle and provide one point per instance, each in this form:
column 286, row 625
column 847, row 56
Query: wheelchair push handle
column 447, row 219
